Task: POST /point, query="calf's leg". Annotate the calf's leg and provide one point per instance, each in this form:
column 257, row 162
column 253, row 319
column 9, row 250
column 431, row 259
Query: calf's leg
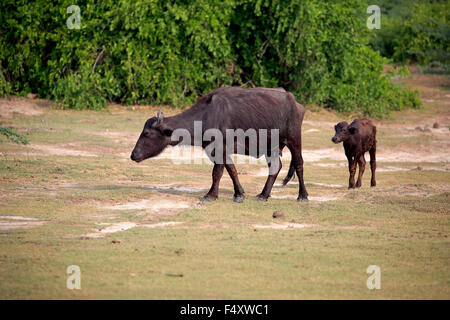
column 352, row 169
column 362, row 167
column 213, row 193
column 373, row 166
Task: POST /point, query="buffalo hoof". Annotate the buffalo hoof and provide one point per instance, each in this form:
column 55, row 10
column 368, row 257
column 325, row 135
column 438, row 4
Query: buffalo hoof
column 239, row 199
column 373, row 184
column 351, row 187
column 302, row 198
column 260, row 197
column 208, row 198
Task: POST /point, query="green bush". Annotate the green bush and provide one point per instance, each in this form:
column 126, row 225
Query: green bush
column 169, row 52
column 318, row 50
column 5, row 85
column 415, row 32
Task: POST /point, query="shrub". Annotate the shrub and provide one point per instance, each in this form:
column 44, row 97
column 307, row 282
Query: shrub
column 417, row 32
column 12, row 135
column 169, row 52
column 318, row 50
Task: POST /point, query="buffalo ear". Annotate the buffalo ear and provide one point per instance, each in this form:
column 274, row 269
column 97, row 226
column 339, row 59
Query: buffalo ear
column 165, row 129
column 352, row 130
column 167, row 132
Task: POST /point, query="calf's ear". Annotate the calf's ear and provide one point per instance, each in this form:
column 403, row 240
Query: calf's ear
column 352, row 130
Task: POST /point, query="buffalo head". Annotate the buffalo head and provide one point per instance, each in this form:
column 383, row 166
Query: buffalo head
column 343, row 132
column 155, row 137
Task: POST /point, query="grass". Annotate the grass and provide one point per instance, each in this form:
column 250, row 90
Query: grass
column 402, row 225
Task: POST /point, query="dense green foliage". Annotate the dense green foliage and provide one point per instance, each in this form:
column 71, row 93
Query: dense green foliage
column 415, row 31
column 169, row 52
column 12, row 135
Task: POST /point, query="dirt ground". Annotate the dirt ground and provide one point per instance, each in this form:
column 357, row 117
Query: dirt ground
column 73, row 197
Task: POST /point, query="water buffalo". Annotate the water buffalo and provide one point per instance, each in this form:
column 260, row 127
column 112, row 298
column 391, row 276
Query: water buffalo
column 234, row 108
column 358, row 137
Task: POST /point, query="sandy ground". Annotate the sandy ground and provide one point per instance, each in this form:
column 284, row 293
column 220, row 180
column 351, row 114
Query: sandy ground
column 19, row 105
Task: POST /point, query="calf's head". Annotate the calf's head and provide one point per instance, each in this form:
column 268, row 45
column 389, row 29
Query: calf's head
column 343, row 132
column 155, row 137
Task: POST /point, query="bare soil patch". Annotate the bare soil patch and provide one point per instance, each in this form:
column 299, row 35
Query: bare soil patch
column 161, row 224
column 296, row 225
column 112, row 228
column 123, row 226
column 154, row 205
column 18, row 222
column 11, row 105
column 284, row 226
column 157, row 205
column 119, row 137
column 311, row 198
column 174, row 188
column 63, row 149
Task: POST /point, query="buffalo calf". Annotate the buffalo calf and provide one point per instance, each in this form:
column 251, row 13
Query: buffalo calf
column 358, row 138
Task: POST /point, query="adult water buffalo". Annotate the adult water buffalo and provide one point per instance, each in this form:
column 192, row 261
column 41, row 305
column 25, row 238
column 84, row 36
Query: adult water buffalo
column 238, row 109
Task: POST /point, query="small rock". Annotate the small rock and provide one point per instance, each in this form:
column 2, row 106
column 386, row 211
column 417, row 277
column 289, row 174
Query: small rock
column 116, row 241
column 179, row 251
column 278, row 214
column 418, row 128
column 419, row 168
column 436, row 125
column 178, row 275
column 31, row 95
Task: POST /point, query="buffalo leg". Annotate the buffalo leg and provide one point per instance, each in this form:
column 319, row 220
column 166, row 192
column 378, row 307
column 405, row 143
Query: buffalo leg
column 298, row 163
column 239, row 193
column 362, row 167
column 217, row 173
column 274, row 167
column 373, row 165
